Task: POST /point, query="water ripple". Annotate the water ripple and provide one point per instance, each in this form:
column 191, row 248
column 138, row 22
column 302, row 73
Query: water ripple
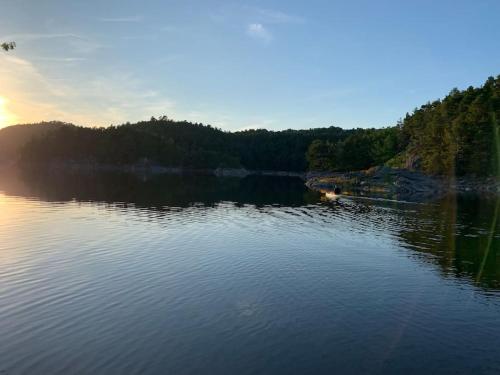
column 115, row 287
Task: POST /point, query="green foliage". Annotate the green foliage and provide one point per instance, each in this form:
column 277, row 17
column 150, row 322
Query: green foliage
column 456, row 135
column 8, row 46
column 362, row 149
column 14, row 138
column 321, row 155
column 398, row 161
column 179, row 144
column 282, row 150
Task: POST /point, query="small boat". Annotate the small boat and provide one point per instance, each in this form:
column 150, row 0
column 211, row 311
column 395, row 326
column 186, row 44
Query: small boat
column 333, row 193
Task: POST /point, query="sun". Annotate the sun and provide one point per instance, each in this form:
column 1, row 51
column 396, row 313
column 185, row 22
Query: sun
column 5, row 117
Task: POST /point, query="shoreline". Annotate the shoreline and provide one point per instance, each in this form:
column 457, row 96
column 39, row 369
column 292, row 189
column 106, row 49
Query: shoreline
column 381, row 181
column 402, row 183
column 153, row 169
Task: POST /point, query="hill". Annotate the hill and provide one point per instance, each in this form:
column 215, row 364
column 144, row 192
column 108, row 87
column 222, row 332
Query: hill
column 180, row 144
column 459, row 135
column 456, row 136
column 14, row 138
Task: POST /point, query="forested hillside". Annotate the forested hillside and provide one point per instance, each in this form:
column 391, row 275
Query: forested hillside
column 170, row 143
column 14, row 138
column 458, row 135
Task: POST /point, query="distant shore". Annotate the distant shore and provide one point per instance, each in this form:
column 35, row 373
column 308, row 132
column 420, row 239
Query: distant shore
column 155, row 169
column 382, row 181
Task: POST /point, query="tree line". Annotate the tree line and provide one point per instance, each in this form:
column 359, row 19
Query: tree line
column 458, row 135
column 178, row 144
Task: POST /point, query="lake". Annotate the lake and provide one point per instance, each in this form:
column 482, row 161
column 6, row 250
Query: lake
column 125, row 274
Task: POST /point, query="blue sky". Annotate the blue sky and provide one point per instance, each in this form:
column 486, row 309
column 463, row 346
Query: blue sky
column 241, row 64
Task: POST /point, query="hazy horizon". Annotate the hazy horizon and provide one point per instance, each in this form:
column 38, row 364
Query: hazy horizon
column 273, row 65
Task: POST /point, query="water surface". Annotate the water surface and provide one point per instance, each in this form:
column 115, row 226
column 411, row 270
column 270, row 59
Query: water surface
column 128, row 274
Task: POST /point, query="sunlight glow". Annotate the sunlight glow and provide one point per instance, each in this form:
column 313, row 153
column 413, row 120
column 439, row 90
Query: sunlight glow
column 5, row 117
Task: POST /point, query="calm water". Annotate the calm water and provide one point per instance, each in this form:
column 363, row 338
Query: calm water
column 195, row 275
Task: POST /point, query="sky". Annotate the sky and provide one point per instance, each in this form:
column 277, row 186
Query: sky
column 240, row 64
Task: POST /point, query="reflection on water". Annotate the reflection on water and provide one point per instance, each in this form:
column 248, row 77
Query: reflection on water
column 116, row 273
column 452, row 232
column 156, row 191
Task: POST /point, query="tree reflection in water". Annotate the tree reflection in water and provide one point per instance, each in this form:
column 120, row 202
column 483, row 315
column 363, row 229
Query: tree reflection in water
column 457, row 233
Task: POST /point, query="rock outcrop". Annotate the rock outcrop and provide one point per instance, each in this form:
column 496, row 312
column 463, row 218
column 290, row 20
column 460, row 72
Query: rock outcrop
column 400, row 183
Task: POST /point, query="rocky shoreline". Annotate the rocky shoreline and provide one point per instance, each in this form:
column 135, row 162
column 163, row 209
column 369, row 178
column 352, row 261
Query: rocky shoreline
column 401, row 183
